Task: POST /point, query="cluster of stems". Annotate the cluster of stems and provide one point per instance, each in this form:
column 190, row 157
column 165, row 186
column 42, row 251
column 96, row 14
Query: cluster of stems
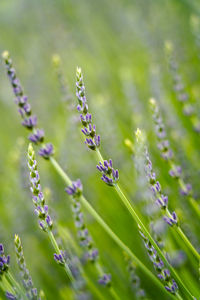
column 93, row 142
column 102, row 223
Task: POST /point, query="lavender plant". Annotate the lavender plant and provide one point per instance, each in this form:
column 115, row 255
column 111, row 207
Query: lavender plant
column 166, row 273
column 162, row 200
column 110, row 175
column 67, row 180
column 188, row 108
column 24, row 109
column 85, row 239
column 167, row 154
column 31, row 292
column 134, row 279
column 163, row 274
column 41, row 210
column 8, row 283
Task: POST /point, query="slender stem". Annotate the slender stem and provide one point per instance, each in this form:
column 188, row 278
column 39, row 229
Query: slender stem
column 6, row 286
column 55, row 246
column 187, row 242
column 179, row 297
column 107, row 229
column 146, row 232
column 194, row 204
column 184, row 238
column 60, row 171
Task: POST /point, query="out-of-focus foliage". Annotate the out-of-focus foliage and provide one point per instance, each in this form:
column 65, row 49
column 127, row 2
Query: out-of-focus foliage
column 119, row 45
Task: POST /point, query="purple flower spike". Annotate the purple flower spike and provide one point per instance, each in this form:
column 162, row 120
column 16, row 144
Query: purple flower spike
column 24, row 272
column 109, row 175
column 175, row 172
column 89, row 130
column 4, row 261
column 37, row 137
column 46, row 151
column 30, row 122
column 1, row 249
column 172, row 220
column 160, row 199
column 21, row 100
column 75, row 189
column 41, row 209
column 59, row 258
column 163, row 274
column 186, row 190
column 10, row 296
column 105, row 280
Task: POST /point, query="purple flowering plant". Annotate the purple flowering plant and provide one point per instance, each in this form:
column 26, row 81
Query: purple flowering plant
column 129, row 235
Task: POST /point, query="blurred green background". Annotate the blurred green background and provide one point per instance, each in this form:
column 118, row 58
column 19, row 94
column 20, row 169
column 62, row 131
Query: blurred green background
column 119, row 44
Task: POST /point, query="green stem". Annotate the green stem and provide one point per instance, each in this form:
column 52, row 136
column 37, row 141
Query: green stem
column 93, row 287
column 179, row 297
column 187, row 242
column 107, row 229
column 56, row 248
column 194, row 204
column 146, row 232
column 6, row 286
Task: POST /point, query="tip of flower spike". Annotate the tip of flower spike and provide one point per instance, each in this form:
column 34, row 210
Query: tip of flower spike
column 5, row 54
column 129, row 144
column 139, row 135
column 56, row 60
column 16, row 236
column 168, row 46
column 16, row 239
column 78, row 71
column 152, row 101
column 30, row 148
